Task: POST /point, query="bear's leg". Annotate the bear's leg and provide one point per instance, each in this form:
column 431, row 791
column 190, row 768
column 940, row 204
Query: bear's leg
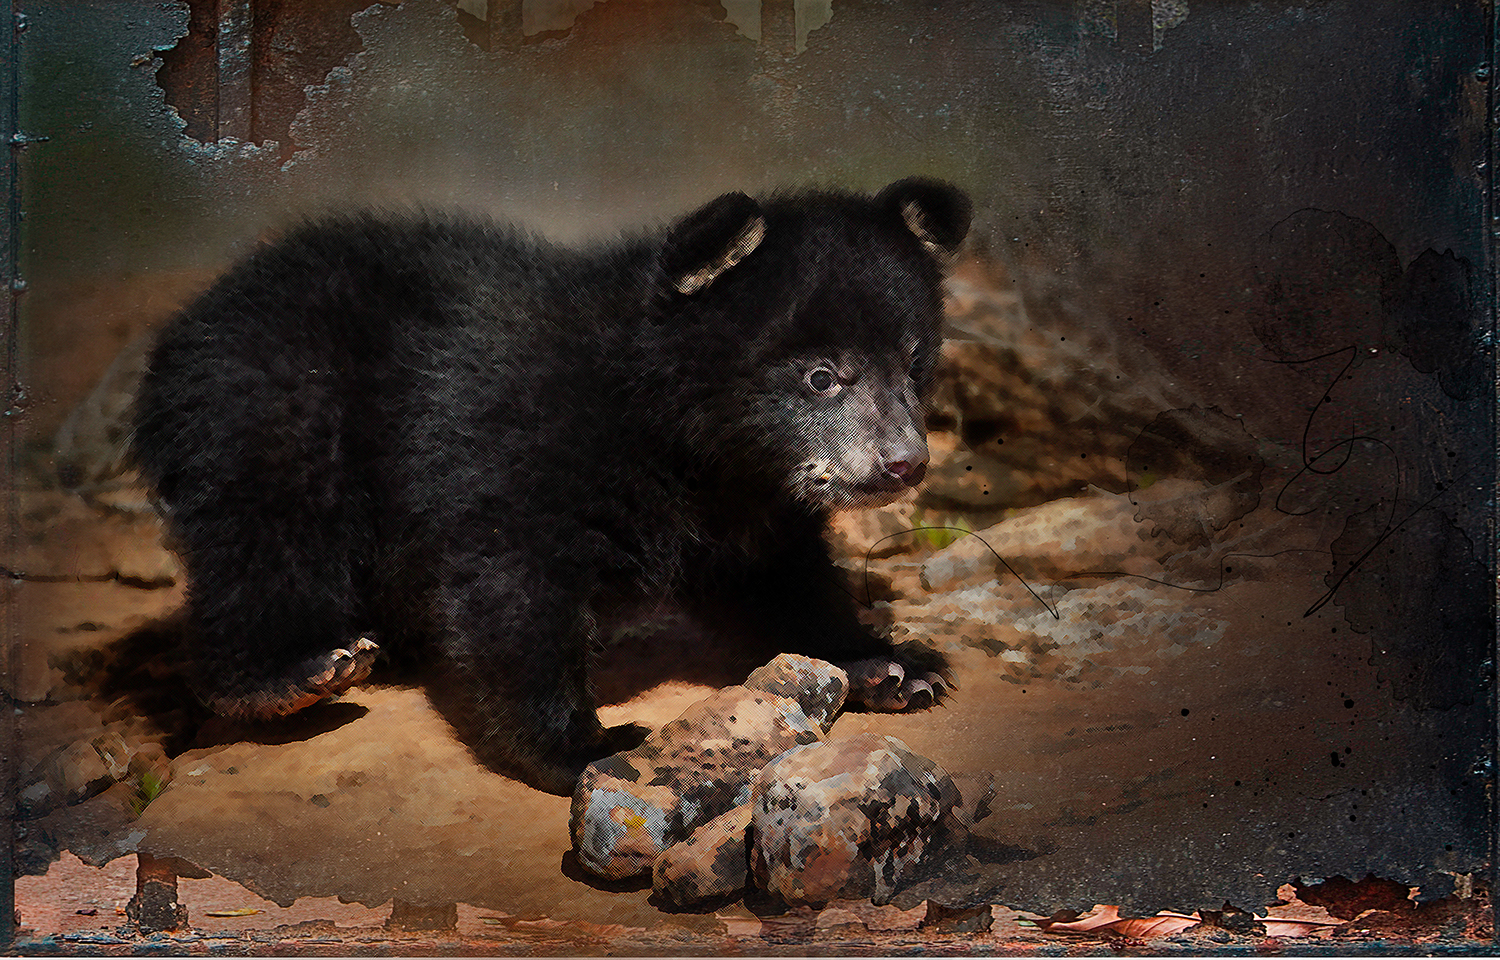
column 272, row 609
column 800, row 601
column 515, row 649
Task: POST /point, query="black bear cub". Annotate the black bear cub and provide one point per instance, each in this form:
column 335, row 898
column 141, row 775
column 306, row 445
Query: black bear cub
column 413, row 431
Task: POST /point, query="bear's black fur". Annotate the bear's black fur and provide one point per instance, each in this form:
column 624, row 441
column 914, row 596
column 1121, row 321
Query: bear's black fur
column 446, row 432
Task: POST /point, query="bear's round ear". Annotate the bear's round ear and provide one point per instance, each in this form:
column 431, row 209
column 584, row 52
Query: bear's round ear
column 711, row 240
column 937, row 212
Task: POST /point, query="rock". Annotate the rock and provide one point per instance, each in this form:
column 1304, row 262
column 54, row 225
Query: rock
column 630, row 807
column 962, row 480
column 1052, row 541
column 818, row 687
column 91, row 447
column 76, row 773
column 34, row 679
column 1121, row 625
column 83, row 768
column 873, row 534
column 97, row 831
column 620, row 825
column 850, row 819
column 713, row 862
column 1043, row 415
column 976, row 790
column 137, row 556
column 64, row 537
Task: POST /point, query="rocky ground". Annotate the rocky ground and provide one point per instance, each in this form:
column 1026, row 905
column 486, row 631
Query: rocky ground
column 1151, row 746
column 1171, row 714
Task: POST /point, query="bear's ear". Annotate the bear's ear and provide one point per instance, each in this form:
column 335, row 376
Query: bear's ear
column 937, row 212
column 711, row 240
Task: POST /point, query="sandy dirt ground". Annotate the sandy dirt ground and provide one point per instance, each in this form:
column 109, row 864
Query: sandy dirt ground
column 1150, row 770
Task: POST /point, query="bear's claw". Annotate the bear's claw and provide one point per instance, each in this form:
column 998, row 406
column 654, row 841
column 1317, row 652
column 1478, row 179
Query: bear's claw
column 884, row 685
column 315, row 679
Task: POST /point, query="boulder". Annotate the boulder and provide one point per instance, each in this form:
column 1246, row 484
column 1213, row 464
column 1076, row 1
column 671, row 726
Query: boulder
column 847, row 820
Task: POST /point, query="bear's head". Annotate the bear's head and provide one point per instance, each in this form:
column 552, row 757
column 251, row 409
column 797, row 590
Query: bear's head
column 817, row 316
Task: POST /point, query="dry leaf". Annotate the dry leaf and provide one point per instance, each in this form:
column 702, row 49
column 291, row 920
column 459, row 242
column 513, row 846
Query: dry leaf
column 1095, row 918
column 541, row 923
column 236, row 912
column 550, row 925
column 1106, row 919
column 1164, row 924
column 1299, row 928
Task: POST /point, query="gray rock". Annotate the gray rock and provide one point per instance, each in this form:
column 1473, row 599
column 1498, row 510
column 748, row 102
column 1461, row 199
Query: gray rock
column 713, row 862
column 96, row 831
column 91, row 447
column 846, row 820
column 630, row 807
column 75, row 773
column 818, row 687
column 84, row 768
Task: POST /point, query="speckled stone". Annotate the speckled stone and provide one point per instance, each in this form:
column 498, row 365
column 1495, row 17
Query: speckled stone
column 818, row 686
column 713, row 862
column 630, row 807
column 846, row 820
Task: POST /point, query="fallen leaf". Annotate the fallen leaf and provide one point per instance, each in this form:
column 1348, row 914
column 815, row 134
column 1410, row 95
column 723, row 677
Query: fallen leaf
column 1098, row 917
column 1298, row 928
column 1106, row 919
column 521, row 925
column 1146, row 928
column 235, row 912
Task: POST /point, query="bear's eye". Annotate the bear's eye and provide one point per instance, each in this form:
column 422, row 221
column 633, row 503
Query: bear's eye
column 822, row 381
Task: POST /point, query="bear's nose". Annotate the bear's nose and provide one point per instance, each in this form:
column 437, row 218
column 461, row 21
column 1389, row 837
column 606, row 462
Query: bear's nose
column 909, row 472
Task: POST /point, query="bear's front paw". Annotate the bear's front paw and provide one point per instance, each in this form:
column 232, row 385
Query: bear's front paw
column 314, row 679
column 892, row 684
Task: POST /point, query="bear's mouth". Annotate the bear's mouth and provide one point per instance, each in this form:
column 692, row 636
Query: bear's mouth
column 881, row 486
column 870, row 493
column 829, row 489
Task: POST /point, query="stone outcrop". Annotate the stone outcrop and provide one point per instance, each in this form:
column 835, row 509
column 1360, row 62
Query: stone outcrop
column 1052, row 541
